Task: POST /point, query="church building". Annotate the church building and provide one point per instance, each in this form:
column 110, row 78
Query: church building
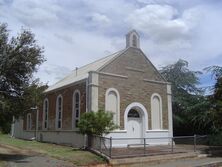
column 125, row 83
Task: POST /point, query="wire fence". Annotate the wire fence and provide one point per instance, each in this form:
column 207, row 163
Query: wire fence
column 132, row 147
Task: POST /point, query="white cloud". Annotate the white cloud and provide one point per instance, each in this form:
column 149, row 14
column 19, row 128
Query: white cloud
column 32, row 13
column 100, row 19
column 64, row 37
column 78, row 32
column 164, row 23
column 50, row 73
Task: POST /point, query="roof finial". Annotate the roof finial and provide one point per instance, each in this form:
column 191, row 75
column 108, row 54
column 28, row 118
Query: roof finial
column 132, row 39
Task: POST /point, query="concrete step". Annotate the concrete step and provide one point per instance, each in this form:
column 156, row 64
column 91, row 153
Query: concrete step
column 145, row 160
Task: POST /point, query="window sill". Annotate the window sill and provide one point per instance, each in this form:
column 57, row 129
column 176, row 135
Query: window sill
column 158, row 130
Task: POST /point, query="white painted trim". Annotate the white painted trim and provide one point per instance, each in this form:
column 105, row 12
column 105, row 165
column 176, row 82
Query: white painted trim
column 141, row 109
column 91, row 84
column 113, row 75
column 93, row 91
column 43, row 122
column 157, row 130
column 119, row 131
column 118, row 102
column 74, row 107
column 153, row 81
column 161, row 111
column 170, row 114
column 74, row 130
column 56, row 122
column 135, row 69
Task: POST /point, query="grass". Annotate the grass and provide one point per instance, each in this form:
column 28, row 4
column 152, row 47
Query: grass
column 76, row 156
column 2, row 164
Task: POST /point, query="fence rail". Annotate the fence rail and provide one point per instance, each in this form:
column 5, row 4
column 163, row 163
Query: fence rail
column 131, row 147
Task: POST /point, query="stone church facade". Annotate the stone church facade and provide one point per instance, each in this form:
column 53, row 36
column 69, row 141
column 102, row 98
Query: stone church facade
column 125, row 83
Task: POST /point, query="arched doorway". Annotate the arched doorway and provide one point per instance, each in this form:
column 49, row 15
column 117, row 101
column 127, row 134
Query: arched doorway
column 135, row 122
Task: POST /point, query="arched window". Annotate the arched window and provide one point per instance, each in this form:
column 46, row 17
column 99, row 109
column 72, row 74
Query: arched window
column 29, row 122
column 45, row 113
column 134, row 41
column 156, row 111
column 76, row 108
column 133, row 114
column 59, row 108
column 112, row 104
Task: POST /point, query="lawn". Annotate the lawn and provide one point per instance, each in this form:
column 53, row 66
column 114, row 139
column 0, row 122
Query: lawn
column 76, row 156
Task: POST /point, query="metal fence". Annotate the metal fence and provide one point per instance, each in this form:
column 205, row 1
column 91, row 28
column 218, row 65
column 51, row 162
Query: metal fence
column 131, row 147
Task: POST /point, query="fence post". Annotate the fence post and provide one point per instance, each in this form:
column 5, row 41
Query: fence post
column 194, row 142
column 110, row 149
column 172, row 144
column 144, row 146
column 100, row 144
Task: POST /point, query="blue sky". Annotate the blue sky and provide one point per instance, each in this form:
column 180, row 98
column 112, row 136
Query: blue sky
column 78, row 32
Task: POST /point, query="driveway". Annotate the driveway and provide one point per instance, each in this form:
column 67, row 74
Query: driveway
column 15, row 157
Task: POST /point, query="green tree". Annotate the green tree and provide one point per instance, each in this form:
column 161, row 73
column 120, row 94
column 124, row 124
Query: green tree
column 188, row 102
column 96, row 123
column 216, row 98
column 20, row 57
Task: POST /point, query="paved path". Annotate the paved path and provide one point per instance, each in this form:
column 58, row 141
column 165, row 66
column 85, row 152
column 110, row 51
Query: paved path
column 15, row 157
column 193, row 162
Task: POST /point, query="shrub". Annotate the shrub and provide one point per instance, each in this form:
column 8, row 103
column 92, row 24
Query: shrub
column 96, row 123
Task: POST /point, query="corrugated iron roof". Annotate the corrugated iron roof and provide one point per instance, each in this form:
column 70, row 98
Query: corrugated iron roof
column 82, row 72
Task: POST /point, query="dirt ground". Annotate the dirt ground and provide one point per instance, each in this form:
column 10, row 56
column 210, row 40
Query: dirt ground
column 15, row 157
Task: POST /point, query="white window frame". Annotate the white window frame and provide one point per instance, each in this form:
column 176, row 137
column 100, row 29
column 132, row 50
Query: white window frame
column 29, row 121
column 74, row 109
column 57, row 112
column 44, row 114
column 118, row 103
column 161, row 112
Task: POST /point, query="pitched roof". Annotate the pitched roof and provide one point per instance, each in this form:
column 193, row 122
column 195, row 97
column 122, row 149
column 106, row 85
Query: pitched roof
column 82, row 72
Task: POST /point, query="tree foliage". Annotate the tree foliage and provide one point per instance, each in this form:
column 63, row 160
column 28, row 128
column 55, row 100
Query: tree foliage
column 20, row 57
column 96, row 123
column 216, row 98
column 190, row 106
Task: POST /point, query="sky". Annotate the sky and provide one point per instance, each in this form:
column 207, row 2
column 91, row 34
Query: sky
column 76, row 32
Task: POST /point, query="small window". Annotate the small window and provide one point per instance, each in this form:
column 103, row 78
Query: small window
column 29, row 121
column 59, row 113
column 76, row 108
column 45, row 113
column 133, row 114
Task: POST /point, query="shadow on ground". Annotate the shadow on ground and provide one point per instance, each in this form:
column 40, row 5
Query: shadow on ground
column 215, row 151
column 18, row 158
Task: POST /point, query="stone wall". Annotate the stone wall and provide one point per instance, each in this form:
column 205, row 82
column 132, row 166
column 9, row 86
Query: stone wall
column 134, row 86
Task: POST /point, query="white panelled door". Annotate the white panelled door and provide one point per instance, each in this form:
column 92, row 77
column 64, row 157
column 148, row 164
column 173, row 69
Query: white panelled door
column 134, row 127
